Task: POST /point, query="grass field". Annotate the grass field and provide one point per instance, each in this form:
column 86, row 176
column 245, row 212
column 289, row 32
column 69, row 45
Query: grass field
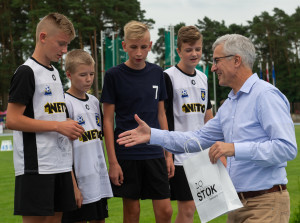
column 115, row 204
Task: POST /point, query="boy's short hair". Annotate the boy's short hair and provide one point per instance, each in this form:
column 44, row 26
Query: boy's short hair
column 77, row 57
column 135, row 30
column 56, row 20
column 188, row 34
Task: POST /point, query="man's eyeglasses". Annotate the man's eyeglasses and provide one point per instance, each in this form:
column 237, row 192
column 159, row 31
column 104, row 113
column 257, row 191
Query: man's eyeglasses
column 216, row 59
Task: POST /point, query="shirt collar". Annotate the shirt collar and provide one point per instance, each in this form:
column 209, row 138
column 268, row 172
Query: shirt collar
column 246, row 86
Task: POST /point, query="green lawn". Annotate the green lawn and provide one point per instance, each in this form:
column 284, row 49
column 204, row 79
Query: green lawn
column 115, row 204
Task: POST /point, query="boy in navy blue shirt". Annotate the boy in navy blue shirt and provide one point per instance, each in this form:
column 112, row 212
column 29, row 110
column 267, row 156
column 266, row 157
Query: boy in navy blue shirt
column 137, row 87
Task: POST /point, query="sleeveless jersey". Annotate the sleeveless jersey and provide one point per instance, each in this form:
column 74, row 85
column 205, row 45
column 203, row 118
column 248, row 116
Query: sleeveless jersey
column 40, row 152
column 190, row 99
column 89, row 160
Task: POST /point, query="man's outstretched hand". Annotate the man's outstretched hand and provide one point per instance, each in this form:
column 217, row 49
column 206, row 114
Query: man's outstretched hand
column 139, row 135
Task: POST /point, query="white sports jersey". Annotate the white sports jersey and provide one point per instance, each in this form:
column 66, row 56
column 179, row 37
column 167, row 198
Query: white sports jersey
column 41, row 152
column 89, row 160
column 190, row 97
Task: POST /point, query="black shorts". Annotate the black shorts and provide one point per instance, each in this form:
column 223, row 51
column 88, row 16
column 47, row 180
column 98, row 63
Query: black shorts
column 179, row 185
column 44, row 194
column 88, row 212
column 143, row 179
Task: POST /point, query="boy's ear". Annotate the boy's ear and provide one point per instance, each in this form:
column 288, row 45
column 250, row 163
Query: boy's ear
column 150, row 45
column 178, row 51
column 124, row 46
column 68, row 74
column 42, row 36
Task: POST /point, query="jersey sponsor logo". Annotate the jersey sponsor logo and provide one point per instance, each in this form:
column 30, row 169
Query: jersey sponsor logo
column 80, row 120
column 193, row 107
column 91, row 135
column 48, row 91
column 193, row 82
column 87, row 107
column 98, row 122
column 56, row 107
column 203, row 94
column 184, row 93
column 53, row 77
column 205, row 192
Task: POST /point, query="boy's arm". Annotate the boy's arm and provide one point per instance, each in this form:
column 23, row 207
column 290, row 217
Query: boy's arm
column 16, row 120
column 78, row 195
column 162, row 119
column 208, row 115
column 169, row 102
column 115, row 171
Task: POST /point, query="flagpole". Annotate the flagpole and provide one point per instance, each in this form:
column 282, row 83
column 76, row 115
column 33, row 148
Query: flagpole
column 113, row 49
column 102, row 58
column 96, row 90
column 260, row 71
column 172, row 45
column 273, row 73
column 267, row 72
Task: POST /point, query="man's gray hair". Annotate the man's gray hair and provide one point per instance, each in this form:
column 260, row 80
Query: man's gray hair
column 237, row 44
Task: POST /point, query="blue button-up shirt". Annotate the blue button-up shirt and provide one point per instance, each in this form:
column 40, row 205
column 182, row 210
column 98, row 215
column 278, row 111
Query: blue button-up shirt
column 257, row 120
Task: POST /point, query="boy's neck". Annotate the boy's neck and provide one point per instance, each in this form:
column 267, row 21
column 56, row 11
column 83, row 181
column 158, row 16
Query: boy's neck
column 133, row 66
column 76, row 93
column 41, row 59
column 190, row 70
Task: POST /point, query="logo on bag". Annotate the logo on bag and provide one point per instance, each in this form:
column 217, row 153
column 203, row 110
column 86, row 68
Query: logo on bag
column 204, row 192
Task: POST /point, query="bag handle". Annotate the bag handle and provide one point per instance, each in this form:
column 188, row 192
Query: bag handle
column 191, row 139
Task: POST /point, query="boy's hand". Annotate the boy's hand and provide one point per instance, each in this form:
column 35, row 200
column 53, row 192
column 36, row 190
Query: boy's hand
column 78, row 197
column 71, row 129
column 116, row 174
column 170, row 166
column 139, row 135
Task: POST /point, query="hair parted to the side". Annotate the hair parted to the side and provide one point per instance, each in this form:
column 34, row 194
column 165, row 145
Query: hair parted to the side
column 56, row 20
column 77, row 57
column 188, row 34
column 135, row 30
column 237, row 44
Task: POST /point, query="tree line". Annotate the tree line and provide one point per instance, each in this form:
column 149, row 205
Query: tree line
column 18, row 20
column 276, row 37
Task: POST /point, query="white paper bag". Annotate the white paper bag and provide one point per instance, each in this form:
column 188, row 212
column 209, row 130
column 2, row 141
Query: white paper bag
column 210, row 184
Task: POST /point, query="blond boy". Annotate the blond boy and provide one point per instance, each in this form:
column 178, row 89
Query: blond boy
column 92, row 185
column 137, row 86
column 37, row 112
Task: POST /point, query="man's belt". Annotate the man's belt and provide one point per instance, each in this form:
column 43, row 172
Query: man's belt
column 249, row 194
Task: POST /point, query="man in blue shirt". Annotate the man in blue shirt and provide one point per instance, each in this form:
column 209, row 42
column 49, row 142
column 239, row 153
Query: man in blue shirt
column 253, row 129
